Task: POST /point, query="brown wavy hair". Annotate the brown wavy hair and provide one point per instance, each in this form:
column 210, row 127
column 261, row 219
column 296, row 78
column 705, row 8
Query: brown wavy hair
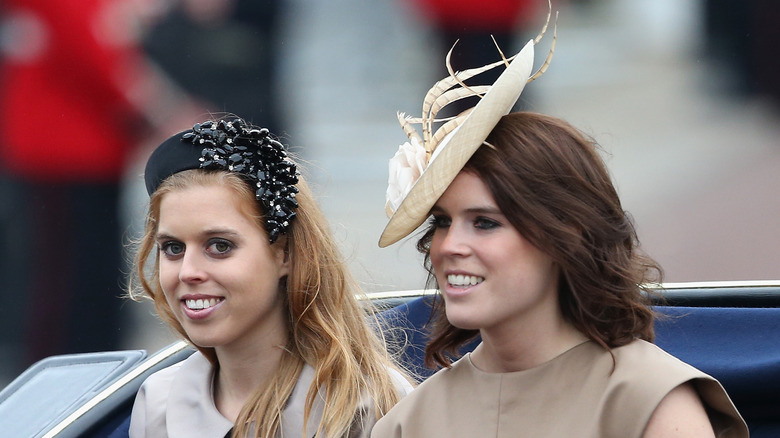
column 327, row 324
column 550, row 182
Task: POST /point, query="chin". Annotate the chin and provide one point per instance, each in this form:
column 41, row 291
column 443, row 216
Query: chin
column 203, row 340
column 463, row 317
column 202, row 343
column 464, row 323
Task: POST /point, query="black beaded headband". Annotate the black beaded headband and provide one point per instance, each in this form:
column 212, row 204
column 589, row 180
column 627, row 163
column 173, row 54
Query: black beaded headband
column 234, row 146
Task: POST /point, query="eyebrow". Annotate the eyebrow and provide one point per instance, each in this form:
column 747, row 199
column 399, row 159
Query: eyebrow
column 204, row 233
column 472, row 210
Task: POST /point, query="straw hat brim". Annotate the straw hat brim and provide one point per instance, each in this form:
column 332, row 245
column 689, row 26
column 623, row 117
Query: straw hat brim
column 456, row 149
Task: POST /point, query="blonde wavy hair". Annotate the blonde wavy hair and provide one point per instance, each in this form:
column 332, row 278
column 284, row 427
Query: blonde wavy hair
column 327, row 325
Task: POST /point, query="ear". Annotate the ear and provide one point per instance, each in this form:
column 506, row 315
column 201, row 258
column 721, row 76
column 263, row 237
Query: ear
column 281, row 252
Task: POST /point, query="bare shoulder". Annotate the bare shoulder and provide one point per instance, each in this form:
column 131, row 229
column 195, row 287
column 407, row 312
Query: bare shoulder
column 680, row 414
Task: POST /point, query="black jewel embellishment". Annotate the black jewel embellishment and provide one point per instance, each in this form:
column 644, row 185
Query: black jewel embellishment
column 235, row 146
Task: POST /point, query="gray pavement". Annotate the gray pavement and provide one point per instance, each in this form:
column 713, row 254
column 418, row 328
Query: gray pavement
column 697, row 170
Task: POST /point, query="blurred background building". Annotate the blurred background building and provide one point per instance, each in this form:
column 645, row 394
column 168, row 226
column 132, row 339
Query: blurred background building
column 681, row 94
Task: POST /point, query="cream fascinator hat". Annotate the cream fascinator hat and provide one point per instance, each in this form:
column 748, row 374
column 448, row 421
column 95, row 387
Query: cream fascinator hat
column 423, row 168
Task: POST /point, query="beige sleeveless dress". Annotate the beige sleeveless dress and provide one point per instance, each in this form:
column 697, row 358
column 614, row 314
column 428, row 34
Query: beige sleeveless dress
column 576, row 394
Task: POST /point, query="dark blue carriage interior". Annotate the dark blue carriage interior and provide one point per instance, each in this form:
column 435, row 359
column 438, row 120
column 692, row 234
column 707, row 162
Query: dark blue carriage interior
column 731, row 333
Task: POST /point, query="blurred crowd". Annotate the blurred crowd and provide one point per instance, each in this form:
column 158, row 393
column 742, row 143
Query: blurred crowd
column 87, row 85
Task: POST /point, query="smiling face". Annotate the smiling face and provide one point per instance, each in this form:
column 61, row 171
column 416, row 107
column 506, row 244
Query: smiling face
column 219, row 274
column 490, row 276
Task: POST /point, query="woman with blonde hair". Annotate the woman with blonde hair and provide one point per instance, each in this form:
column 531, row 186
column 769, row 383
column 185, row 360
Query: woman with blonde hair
column 238, row 260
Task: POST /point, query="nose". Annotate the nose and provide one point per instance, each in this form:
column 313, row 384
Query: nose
column 452, row 241
column 191, row 268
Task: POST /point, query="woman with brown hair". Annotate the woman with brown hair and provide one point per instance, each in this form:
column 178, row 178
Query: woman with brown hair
column 530, row 250
column 238, row 260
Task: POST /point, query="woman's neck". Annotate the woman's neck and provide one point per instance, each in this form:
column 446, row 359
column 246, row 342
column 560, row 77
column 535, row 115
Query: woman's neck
column 241, row 374
column 524, row 347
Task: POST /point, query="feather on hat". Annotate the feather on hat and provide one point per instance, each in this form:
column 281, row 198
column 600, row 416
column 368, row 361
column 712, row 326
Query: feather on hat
column 423, row 168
